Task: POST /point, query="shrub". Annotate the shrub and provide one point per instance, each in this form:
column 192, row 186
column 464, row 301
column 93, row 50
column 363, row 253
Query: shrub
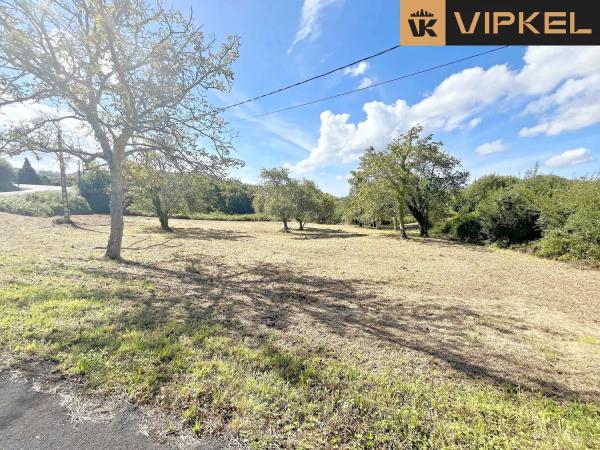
column 469, row 199
column 466, row 227
column 95, row 188
column 572, row 223
column 510, row 217
column 42, row 204
column 7, row 177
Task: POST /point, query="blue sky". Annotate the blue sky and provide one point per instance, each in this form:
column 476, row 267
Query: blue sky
column 499, row 113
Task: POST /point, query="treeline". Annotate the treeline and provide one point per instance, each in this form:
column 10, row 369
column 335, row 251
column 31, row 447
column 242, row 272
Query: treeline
column 154, row 187
column 415, row 179
column 151, row 187
column 25, row 175
column 412, row 180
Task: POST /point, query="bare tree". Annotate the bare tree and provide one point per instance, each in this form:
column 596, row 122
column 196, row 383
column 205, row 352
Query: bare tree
column 125, row 76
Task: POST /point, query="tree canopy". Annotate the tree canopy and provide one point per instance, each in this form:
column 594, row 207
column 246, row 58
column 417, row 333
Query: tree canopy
column 121, row 78
column 27, row 174
column 413, row 173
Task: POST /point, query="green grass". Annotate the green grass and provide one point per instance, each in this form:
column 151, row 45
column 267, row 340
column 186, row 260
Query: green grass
column 267, row 391
column 42, row 204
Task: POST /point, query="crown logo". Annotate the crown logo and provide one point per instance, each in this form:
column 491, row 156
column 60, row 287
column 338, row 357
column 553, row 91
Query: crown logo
column 421, row 13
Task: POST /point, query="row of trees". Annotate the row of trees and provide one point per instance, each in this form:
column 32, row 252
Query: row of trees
column 25, row 175
column 285, row 199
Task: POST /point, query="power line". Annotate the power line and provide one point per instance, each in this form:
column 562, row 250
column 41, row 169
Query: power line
column 341, row 94
column 310, row 79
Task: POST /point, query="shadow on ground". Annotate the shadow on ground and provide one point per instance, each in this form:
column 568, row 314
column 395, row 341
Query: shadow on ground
column 324, row 233
column 259, row 299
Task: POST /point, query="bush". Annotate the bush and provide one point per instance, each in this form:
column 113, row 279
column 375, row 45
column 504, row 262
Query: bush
column 7, row 177
column 510, row 217
column 572, row 223
column 42, row 204
column 95, row 188
column 465, row 227
column 468, row 199
column 468, row 228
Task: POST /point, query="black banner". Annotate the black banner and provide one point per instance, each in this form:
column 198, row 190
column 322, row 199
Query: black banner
column 526, row 22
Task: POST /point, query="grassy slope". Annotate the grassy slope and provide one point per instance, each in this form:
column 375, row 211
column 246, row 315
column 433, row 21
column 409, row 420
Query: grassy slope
column 271, row 337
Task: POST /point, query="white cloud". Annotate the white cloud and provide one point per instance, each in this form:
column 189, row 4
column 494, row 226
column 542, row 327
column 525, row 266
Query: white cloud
column 474, row 122
column 357, row 70
column 575, row 105
column 365, row 83
column 570, row 158
column 491, row 147
column 310, row 27
column 562, row 86
column 343, row 177
column 451, row 103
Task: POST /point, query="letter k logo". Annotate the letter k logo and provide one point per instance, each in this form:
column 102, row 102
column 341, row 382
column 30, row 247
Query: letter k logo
column 421, row 26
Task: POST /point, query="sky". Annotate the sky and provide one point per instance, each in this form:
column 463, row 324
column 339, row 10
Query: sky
column 499, row 113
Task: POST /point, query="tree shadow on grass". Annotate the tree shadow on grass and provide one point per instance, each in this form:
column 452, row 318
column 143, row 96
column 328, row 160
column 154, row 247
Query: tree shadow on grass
column 324, row 233
column 262, row 298
column 204, row 234
column 438, row 242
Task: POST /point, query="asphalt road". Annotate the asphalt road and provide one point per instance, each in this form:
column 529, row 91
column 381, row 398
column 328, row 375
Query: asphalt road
column 27, row 188
column 35, row 420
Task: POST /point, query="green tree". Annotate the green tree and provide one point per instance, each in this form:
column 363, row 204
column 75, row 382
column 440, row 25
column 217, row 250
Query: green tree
column 27, row 174
column 371, row 199
column 7, row 176
column 330, row 209
column 435, row 176
column 277, row 195
column 153, row 184
column 134, row 75
column 95, row 188
column 306, row 199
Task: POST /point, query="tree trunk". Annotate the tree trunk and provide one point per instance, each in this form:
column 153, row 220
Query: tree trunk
column 286, row 229
column 115, row 239
column 300, row 224
column 403, row 234
column 63, row 186
column 422, row 219
column 164, row 223
column 395, row 223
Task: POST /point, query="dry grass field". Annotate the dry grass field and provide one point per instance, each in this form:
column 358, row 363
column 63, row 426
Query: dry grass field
column 333, row 337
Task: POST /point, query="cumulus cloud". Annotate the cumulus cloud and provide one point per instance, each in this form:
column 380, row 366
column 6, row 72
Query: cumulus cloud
column 491, row 147
column 310, row 27
column 561, row 96
column 357, row 70
column 451, row 103
column 570, row 158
